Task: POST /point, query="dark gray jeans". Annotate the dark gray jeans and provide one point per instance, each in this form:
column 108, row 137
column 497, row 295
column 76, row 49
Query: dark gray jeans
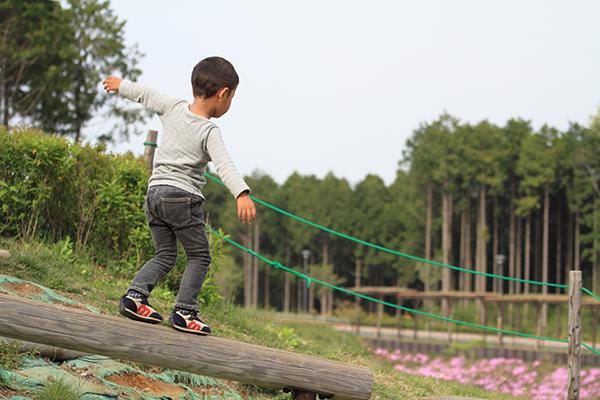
column 174, row 214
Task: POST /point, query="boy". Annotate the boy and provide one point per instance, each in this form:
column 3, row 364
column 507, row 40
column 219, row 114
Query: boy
column 173, row 204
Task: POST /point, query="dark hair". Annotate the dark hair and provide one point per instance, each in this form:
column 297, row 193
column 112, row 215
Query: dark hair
column 212, row 74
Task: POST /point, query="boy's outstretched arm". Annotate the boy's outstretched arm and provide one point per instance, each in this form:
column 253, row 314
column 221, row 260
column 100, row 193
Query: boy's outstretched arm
column 229, row 174
column 149, row 98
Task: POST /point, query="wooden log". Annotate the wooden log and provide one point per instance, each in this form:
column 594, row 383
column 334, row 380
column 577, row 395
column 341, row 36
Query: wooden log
column 158, row 345
column 51, row 352
column 574, row 349
column 149, row 148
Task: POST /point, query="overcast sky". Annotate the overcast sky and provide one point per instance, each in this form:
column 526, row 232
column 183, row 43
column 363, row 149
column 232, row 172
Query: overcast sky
column 340, row 85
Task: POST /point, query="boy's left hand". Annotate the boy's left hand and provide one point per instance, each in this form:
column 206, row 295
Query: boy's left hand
column 111, row 84
column 246, row 211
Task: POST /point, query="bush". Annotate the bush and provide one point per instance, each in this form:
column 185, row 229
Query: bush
column 53, row 189
column 84, row 199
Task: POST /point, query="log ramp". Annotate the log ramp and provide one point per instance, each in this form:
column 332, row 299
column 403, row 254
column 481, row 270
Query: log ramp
column 303, row 375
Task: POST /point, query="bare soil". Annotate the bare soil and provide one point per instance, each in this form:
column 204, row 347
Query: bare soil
column 146, row 385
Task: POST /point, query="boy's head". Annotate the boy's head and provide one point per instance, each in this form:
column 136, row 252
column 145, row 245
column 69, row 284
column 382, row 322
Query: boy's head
column 215, row 77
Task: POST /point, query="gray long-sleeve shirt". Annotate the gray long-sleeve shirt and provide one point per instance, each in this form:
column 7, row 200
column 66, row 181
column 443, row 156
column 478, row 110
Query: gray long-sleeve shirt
column 188, row 143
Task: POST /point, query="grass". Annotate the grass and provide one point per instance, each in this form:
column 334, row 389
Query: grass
column 80, row 279
column 59, row 390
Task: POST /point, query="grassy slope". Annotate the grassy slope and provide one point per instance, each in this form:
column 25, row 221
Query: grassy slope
column 81, row 280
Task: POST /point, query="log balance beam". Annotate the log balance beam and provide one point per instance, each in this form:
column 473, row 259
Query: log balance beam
column 120, row 338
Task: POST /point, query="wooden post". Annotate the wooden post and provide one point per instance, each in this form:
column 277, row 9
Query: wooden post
column 574, row 352
column 159, row 345
column 149, row 147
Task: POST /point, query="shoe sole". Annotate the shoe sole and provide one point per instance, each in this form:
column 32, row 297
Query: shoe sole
column 131, row 315
column 179, row 328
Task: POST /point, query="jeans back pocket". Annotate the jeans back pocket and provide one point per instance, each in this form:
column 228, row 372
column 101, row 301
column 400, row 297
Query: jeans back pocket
column 176, row 211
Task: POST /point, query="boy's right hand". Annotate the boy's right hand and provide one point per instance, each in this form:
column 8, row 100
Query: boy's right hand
column 111, row 84
column 246, row 210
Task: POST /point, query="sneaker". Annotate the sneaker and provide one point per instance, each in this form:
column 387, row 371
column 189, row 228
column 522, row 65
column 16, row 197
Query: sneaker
column 135, row 306
column 188, row 321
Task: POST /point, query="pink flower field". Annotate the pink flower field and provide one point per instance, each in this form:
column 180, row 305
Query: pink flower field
column 503, row 375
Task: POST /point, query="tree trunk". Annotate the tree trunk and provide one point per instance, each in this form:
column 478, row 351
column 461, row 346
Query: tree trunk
column 468, row 249
column 558, row 262
column 446, row 243
column 495, row 249
column 428, row 222
column 576, row 260
column 247, row 271
column 527, row 252
column 570, row 248
column 255, row 276
column 511, row 245
column 357, row 282
column 267, row 290
column 519, row 256
column 463, row 245
column 545, row 254
column 480, row 281
column 286, row 285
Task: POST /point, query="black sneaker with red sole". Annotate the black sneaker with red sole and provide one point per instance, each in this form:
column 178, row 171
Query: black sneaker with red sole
column 138, row 308
column 188, row 321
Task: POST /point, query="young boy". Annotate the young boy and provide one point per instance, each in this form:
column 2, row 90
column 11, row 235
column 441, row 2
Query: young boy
column 173, row 204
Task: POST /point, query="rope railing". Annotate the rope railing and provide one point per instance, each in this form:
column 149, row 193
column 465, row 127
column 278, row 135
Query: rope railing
column 310, row 280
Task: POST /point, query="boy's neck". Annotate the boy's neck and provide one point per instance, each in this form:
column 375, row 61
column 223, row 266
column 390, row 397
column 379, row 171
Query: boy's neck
column 203, row 107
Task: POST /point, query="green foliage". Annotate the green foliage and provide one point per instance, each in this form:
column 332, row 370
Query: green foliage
column 53, row 56
column 76, row 193
column 10, row 354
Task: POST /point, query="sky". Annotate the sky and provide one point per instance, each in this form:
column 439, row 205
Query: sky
column 339, row 86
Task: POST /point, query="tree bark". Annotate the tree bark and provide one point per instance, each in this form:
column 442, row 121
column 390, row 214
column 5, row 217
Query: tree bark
column 255, row 275
column 481, row 242
column 446, row 243
column 576, row 260
column 511, row 244
column 527, row 252
column 286, row 285
column 247, row 271
column 545, row 254
column 428, row 221
column 558, row 262
column 570, row 247
column 462, row 261
column 468, row 249
column 495, row 249
column 519, row 256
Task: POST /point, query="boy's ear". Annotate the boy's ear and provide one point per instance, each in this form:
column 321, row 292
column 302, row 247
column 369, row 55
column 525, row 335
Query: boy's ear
column 223, row 94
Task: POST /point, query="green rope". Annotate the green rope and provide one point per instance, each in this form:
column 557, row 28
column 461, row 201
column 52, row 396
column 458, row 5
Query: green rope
column 590, row 348
column 411, row 310
column 391, row 251
column 590, row 293
column 153, row 144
